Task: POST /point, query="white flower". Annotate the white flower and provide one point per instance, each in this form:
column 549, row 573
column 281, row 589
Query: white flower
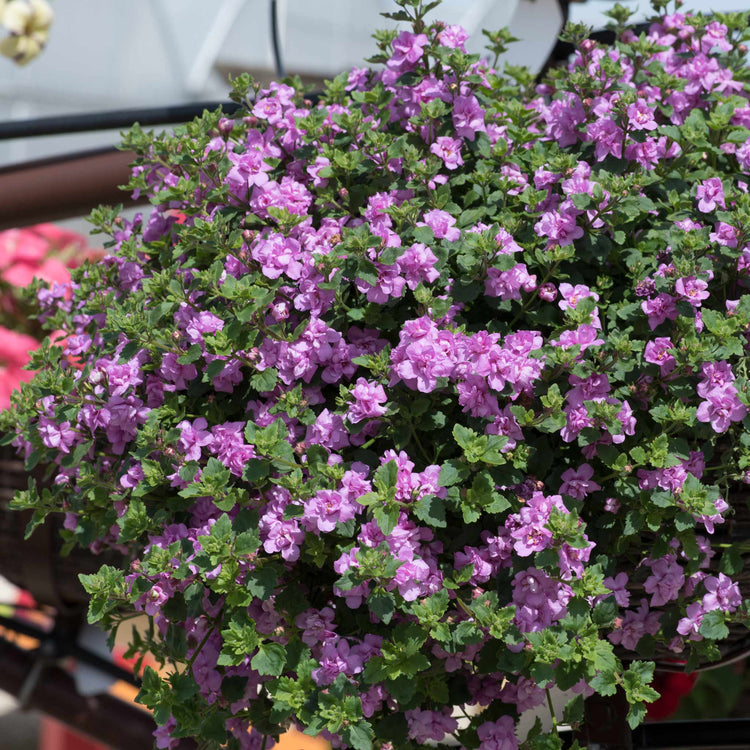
column 28, row 22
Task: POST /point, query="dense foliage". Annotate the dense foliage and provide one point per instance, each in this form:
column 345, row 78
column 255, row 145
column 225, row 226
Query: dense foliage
column 429, row 394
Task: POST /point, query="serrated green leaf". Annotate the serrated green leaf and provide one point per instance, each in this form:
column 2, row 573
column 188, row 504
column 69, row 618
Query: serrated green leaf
column 270, row 659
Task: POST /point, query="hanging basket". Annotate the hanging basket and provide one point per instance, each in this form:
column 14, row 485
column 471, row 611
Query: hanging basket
column 736, row 646
column 36, row 564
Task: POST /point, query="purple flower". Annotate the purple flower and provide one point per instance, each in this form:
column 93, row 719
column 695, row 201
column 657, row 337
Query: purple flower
column 691, row 623
column 269, row 108
column 204, row 322
column 411, row 577
column 442, row 225
column 722, row 593
column 657, row 352
column 335, row 659
column 177, row 374
column 453, row 37
column 572, row 294
column 721, row 408
column 724, row 234
column 559, row 226
column 635, row 624
column 506, row 244
column 468, row 117
column 417, row 264
column 547, row 292
column 122, row 417
column 659, row 309
column 369, row 401
column 278, row 255
column 563, row 116
column 154, row 599
column 483, row 569
column 666, row 579
column 449, row 150
column 326, row 509
column 578, row 483
column 328, row 430
column 498, row 735
column 584, row 336
column 248, row 169
column 539, row 600
column 692, row 289
column 618, row 586
column 714, row 375
column 317, row 625
column 421, row 362
column 509, row 284
column 60, row 436
column 407, row 49
column 710, row 194
column 193, row 437
column 430, row 725
column 640, row 116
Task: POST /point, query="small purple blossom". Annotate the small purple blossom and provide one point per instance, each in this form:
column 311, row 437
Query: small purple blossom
column 710, row 194
column 449, row 150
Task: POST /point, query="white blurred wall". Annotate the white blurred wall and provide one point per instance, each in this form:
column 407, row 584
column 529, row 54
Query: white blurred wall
column 107, row 54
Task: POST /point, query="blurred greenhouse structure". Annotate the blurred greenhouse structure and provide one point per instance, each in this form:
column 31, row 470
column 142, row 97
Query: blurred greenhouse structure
column 110, row 55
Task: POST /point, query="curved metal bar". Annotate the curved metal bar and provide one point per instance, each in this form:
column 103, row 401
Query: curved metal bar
column 115, row 119
column 278, row 62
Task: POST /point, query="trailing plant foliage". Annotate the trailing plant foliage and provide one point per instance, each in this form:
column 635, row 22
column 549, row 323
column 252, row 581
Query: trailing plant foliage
column 421, row 398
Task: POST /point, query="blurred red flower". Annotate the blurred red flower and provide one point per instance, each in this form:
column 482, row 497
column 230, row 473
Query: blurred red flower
column 45, row 252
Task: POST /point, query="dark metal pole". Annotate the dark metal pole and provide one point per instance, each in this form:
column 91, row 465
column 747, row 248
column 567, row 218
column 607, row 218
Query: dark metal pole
column 714, row 733
column 112, row 120
column 275, row 43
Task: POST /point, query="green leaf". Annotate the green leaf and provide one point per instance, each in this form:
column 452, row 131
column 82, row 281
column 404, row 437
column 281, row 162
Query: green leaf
column 387, row 518
column 604, row 683
column 464, row 436
column 431, row 510
column 452, row 472
column 247, row 542
column 239, row 640
column 359, row 736
column 256, row 470
column 265, row 381
column 134, row 522
column 713, row 625
column 193, row 354
column 636, row 715
column 382, row 605
column 270, row 659
column 386, row 476
column 262, row 582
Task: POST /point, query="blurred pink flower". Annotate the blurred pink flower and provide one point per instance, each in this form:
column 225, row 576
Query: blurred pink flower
column 14, row 354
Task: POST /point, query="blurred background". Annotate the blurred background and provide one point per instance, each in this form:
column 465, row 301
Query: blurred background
column 110, row 55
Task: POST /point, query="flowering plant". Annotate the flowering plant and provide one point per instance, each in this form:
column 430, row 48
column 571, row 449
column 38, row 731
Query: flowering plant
column 43, row 252
column 415, row 402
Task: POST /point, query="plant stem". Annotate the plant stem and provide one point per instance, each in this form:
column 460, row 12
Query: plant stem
column 551, row 711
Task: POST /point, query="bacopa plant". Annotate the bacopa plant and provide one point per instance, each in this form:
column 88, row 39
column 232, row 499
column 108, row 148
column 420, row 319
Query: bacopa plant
column 411, row 403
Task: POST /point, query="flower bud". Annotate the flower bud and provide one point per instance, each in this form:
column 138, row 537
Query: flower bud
column 547, row 292
column 226, row 126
